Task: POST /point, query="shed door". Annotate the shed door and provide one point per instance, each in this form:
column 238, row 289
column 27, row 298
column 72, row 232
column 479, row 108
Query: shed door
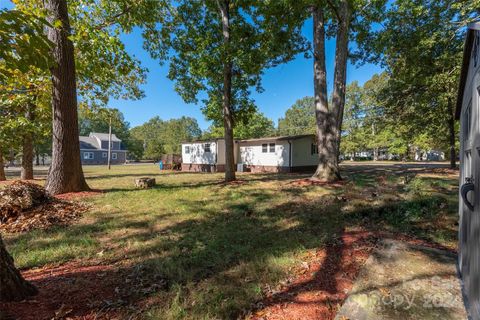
column 470, row 219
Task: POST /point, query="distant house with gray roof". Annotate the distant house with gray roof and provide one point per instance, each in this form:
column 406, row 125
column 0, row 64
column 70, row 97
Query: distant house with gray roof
column 94, row 149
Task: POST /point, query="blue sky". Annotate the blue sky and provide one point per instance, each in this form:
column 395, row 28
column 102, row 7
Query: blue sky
column 283, row 86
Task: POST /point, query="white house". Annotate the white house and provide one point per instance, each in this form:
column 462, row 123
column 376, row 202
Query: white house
column 272, row 154
column 279, row 154
column 468, row 111
column 206, row 155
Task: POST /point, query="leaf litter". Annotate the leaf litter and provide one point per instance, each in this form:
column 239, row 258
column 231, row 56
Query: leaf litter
column 25, row 206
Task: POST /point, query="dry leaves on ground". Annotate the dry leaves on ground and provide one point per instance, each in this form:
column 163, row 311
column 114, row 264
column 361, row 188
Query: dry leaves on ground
column 25, row 206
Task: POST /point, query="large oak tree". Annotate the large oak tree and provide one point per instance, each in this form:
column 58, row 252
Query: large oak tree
column 345, row 21
column 218, row 51
column 66, row 173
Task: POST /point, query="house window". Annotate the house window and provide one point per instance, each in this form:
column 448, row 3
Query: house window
column 187, row 149
column 104, row 155
column 88, row 155
column 114, row 156
column 272, row 147
column 314, row 149
column 264, row 148
column 206, row 147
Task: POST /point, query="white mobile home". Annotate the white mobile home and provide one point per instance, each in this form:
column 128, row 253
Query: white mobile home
column 279, row 154
column 468, row 111
column 204, row 156
column 272, row 154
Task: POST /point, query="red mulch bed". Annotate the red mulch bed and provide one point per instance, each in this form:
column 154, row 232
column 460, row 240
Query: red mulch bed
column 322, row 286
column 79, row 195
column 70, row 291
column 316, row 290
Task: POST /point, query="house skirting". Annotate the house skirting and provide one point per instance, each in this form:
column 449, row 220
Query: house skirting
column 247, row 168
column 193, row 167
column 278, row 169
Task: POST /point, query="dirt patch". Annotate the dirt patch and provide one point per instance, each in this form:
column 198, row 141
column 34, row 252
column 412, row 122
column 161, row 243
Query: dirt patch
column 321, row 283
column 315, row 182
column 445, row 171
column 25, row 206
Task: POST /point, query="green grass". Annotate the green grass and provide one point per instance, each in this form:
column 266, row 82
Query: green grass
column 218, row 245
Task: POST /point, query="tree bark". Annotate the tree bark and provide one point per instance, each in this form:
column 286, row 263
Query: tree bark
column 227, row 94
column 452, row 136
column 340, row 77
column 27, row 147
column 327, row 169
column 2, row 169
column 13, row 286
column 375, row 149
column 37, row 157
column 65, row 174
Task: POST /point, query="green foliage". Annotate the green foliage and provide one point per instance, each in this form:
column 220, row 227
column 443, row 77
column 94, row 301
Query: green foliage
column 263, row 34
column 256, row 126
column 165, row 137
column 299, row 118
column 421, row 46
column 19, row 94
column 23, row 43
column 104, row 67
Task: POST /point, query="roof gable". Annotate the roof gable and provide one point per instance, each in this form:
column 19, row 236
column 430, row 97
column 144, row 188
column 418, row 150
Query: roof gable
column 104, row 136
column 472, row 48
column 88, row 143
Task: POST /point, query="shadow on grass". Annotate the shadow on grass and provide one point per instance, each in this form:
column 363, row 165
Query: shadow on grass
column 218, row 250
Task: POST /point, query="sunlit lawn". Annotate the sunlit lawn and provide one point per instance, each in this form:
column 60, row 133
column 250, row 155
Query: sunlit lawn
column 218, row 246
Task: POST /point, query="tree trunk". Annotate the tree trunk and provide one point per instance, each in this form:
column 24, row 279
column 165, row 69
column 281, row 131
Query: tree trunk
column 37, row 157
column 327, row 169
column 65, row 174
column 27, row 147
column 227, row 94
column 452, row 136
column 2, row 169
column 12, row 285
column 375, row 149
column 340, row 77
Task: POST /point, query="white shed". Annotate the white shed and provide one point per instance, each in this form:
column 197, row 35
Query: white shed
column 468, row 111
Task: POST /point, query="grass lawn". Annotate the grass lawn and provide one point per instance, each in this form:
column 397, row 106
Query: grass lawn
column 214, row 249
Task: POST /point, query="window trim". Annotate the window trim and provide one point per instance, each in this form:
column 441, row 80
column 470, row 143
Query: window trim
column 88, row 155
column 114, row 156
column 264, row 147
column 207, row 148
column 313, row 148
column 270, row 145
column 187, row 149
column 104, row 154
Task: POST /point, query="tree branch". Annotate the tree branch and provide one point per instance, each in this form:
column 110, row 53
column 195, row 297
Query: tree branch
column 335, row 9
column 112, row 20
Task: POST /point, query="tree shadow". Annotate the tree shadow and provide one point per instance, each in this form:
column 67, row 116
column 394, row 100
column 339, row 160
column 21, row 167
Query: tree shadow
column 218, row 250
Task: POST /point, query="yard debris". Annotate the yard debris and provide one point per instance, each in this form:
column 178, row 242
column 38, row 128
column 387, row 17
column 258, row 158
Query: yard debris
column 25, row 206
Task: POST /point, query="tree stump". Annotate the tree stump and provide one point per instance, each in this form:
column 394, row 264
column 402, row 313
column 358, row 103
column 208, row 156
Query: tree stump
column 145, row 183
column 12, row 285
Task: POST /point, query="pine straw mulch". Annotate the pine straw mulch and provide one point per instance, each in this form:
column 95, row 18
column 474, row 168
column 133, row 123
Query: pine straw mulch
column 25, row 206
